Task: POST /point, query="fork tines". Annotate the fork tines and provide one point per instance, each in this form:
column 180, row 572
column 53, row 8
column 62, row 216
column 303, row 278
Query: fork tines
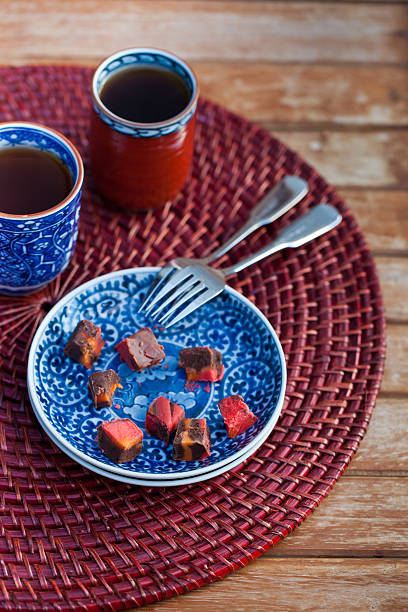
column 176, row 295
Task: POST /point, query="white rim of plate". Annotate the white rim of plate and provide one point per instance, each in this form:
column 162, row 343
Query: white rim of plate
column 36, row 404
column 155, row 483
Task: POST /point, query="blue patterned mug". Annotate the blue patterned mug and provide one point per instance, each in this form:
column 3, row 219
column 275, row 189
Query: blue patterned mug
column 35, row 248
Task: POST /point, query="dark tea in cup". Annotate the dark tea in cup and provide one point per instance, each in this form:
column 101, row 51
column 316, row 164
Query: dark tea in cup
column 31, row 180
column 145, row 94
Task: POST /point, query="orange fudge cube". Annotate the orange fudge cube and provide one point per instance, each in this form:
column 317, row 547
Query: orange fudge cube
column 192, row 440
column 141, row 350
column 202, row 363
column 85, row 344
column 236, row 414
column 121, row 440
column 102, row 385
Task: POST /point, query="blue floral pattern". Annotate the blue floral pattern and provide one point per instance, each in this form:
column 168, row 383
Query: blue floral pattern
column 34, row 251
column 58, row 387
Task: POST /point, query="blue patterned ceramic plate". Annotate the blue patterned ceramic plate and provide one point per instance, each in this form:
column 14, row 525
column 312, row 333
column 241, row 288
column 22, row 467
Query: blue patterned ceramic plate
column 254, row 368
column 147, row 482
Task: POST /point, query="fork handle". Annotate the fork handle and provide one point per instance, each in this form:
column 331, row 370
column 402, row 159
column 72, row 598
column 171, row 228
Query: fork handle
column 317, row 221
column 288, row 192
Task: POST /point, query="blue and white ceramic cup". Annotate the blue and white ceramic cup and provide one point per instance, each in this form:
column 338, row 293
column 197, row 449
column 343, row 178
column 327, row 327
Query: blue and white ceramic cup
column 35, row 248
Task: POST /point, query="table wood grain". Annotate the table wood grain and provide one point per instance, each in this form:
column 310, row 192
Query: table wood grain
column 330, row 80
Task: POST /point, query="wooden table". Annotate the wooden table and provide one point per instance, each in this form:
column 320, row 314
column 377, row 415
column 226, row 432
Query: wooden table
column 330, row 79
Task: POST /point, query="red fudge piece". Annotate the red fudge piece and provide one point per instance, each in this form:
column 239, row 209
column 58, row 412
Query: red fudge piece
column 162, row 418
column 121, row 440
column 236, row 414
column 192, row 440
column 202, row 363
column 141, row 350
column 102, row 385
column 85, row 344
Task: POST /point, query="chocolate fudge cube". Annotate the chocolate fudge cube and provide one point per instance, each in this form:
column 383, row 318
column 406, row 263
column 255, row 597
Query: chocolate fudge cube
column 102, row 385
column 202, row 363
column 121, row 440
column 141, row 350
column 192, row 440
column 85, row 344
column 236, row 414
column 162, row 418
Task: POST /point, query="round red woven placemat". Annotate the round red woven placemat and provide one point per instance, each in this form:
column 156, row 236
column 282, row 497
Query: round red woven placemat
column 73, row 540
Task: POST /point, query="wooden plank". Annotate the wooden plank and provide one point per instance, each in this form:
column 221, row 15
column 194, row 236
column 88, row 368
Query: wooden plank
column 309, row 585
column 352, row 1
column 383, row 217
column 383, row 449
column 285, row 32
column 365, row 159
column 308, row 94
column 300, row 96
column 393, row 273
column 396, row 363
column 372, row 511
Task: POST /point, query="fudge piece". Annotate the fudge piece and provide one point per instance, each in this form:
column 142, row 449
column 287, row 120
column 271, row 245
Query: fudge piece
column 85, row 344
column 236, row 414
column 202, row 363
column 162, row 418
column 102, row 385
column 121, row 440
column 192, row 440
column 141, row 350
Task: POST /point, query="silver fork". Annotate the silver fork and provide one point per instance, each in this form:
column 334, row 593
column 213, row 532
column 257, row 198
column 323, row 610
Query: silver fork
column 191, row 287
column 288, row 192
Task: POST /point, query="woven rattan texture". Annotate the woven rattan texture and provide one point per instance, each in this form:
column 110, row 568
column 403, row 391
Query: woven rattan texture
column 73, row 540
